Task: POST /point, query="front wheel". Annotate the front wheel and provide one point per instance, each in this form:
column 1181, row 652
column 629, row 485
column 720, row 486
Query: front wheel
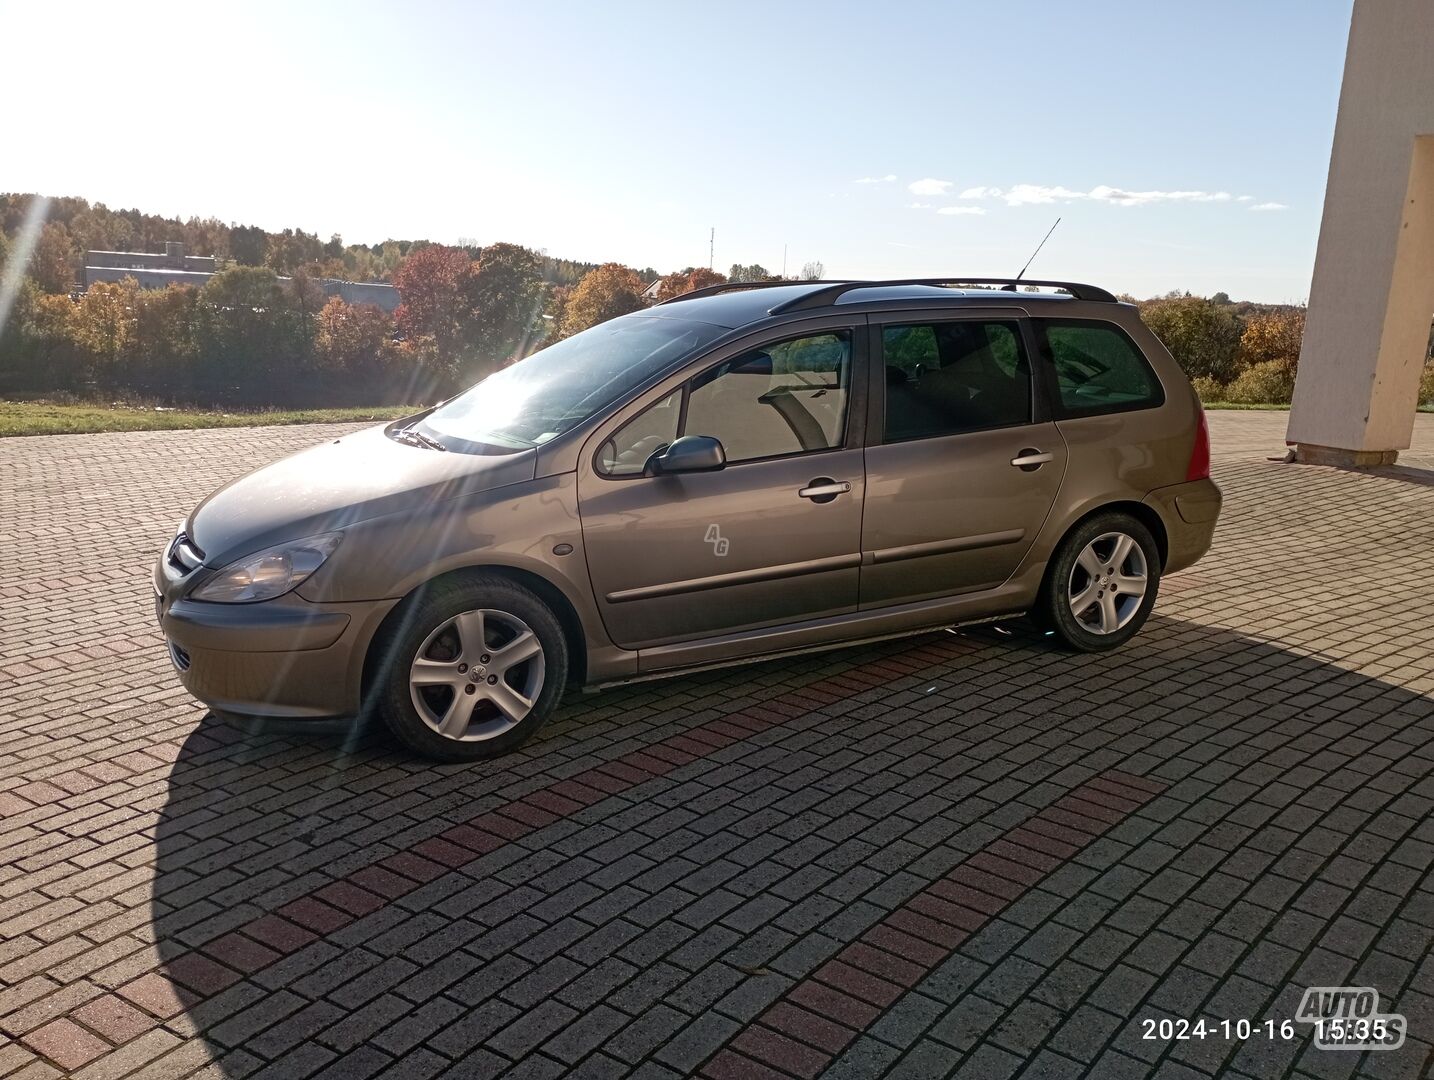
column 1102, row 583
column 473, row 668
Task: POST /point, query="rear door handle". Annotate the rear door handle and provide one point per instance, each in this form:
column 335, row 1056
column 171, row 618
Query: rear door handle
column 1031, row 459
column 824, row 489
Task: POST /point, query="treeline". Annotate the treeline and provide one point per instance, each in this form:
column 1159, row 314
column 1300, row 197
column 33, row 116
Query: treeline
column 1240, row 352
column 73, row 226
column 247, row 338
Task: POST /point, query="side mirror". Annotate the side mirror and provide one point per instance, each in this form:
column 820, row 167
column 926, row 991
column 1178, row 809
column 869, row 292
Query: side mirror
column 691, row 453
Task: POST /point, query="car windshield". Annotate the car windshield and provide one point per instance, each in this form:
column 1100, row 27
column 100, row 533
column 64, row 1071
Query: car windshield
column 542, row 396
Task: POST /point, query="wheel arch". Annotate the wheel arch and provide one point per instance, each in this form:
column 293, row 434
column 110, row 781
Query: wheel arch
column 549, row 593
column 1144, row 513
column 1141, row 512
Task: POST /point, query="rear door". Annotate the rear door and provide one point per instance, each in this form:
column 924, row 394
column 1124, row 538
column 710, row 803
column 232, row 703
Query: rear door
column 963, row 462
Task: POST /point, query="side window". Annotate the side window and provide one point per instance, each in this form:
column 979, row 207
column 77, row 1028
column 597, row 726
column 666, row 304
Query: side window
column 632, row 444
column 947, row 378
column 785, row 398
column 1099, row 369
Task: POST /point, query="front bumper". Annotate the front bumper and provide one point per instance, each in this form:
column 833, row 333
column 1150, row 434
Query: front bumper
column 1190, row 512
column 280, row 658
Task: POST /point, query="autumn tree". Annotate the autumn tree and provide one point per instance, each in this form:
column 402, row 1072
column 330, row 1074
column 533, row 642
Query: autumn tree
column 359, row 360
column 104, row 327
column 355, row 340
column 1273, row 336
column 52, row 262
column 291, row 249
column 813, row 271
column 254, row 340
column 555, row 307
column 430, row 282
column 165, row 322
column 605, row 293
column 1202, row 336
column 248, row 244
column 38, row 350
column 502, row 292
column 686, row 281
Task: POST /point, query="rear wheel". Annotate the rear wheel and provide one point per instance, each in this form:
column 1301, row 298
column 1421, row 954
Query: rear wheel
column 1102, row 583
column 473, row 669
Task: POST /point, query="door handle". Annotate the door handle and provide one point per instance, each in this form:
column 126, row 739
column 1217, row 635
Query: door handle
column 824, row 489
column 1031, row 459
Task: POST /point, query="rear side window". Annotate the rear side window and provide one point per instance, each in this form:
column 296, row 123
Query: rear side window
column 949, row 378
column 1098, row 369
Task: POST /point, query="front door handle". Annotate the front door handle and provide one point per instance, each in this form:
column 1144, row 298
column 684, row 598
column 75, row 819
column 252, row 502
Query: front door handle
column 1030, row 459
column 824, row 489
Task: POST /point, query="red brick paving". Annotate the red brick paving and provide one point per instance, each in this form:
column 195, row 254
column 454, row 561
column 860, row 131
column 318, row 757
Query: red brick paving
column 66, row 1043
column 1293, row 725
column 888, row 960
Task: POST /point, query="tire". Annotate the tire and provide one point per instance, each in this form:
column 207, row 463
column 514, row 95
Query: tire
column 464, row 702
column 1089, row 599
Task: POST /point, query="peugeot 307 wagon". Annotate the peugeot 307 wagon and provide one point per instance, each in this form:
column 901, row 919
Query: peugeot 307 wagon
column 740, row 472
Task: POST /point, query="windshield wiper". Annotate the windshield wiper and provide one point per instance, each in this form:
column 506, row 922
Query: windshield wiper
column 414, row 437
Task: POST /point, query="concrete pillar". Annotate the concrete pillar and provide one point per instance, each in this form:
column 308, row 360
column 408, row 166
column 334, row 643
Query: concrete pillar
column 1373, row 289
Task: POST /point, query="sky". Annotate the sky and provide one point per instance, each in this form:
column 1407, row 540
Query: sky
column 1184, row 146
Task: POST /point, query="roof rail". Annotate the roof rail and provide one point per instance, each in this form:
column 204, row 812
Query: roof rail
column 828, row 296
column 734, row 286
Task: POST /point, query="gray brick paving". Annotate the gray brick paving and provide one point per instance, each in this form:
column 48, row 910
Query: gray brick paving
column 180, row 896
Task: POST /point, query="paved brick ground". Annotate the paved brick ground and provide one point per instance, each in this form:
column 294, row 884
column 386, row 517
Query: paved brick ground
column 967, row 855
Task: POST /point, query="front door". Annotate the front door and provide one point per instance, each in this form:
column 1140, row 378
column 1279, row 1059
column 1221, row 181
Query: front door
column 774, row 537
column 962, row 468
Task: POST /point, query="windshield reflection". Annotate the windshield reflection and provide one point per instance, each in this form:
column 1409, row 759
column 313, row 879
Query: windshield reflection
column 546, row 394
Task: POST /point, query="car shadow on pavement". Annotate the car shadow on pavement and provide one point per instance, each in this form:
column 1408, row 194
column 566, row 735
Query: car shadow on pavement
column 323, row 900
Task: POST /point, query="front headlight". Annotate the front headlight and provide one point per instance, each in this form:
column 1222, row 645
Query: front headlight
column 268, row 573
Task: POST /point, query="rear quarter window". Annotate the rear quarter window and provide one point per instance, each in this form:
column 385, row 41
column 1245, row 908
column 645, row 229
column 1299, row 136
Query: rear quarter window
column 1097, row 369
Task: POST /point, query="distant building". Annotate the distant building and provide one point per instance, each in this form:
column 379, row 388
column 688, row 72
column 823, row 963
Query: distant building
column 152, row 270
column 377, row 293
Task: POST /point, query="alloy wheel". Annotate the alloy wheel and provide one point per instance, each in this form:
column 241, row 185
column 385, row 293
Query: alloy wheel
column 477, row 675
column 1107, row 583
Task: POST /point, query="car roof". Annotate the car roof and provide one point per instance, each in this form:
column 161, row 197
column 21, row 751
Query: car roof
column 735, row 306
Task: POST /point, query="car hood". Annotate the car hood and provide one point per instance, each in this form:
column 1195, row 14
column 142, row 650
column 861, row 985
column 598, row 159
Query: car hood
column 338, row 483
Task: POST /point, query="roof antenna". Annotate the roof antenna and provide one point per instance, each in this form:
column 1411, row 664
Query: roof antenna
column 1037, row 251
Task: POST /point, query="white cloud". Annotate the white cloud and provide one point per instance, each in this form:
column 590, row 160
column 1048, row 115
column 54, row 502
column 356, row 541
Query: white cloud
column 961, row 210
column 1244, row 198
column 918, row 206
column 1122, row 197
column 887, row 179
column 1043, row 194
column 1269, row 206
column 929, row 186
column 1034, row 194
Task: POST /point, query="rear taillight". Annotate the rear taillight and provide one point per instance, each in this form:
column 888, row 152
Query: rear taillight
column 1199, row 468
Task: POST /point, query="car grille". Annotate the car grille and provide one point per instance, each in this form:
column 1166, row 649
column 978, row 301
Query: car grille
column 183, row 555
column 178, row 656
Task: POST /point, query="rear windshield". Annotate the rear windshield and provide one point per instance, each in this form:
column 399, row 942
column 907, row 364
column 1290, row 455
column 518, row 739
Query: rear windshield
column 542, row 396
